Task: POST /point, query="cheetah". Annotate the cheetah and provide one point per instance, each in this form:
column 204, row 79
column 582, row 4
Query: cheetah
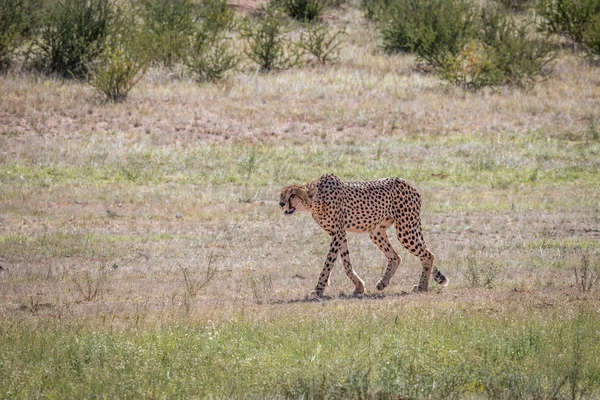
column 340, row 207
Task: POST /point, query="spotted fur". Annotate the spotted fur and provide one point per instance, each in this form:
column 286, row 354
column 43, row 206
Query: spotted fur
column 340, row 207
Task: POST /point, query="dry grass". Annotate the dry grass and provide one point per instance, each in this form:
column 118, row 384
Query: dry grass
column 49, row 237
column 363, row 96
column 339, row 103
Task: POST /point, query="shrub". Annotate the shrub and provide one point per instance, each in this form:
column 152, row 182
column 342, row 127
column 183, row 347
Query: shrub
column 123, row 61
column 170, row 23
column 195, row 281
column 302, row 10
column 261, row 285
column 518, row 57
column 433, row 29
column 481, row 276
column 321, row 43
column 268, row 44
column 72, row 34
column 213, row 16
column 473, row 68
column 514, row 5
column 374, row 9
column 399, row 30
column 567, row 17
column 587, row 273
column 470, row 51
column 210, row 55
column 16, row 19
column 591, row 38
column 91, row 285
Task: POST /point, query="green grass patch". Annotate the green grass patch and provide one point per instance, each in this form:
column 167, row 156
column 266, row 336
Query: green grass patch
column 357, row 352
column 468, row 160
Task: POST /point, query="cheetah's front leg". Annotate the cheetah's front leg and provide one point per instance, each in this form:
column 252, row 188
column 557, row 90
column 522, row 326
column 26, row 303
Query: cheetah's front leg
column 334, row 249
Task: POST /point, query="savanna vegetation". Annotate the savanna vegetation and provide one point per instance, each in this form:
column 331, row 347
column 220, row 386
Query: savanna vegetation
column 143, row 146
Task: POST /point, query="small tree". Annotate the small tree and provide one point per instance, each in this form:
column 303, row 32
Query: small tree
column 268, row 43
column 587, row 273
column 567, row 17
column 468, row 47
column 515, row 5
column 473, row 68
column 72, row 33
column 215, row 16
column 320, row 42
column 124, row 59
column 302, row 10
column 210, row 55
column 519, row 58
column 591, row 38
column 375, row 9
column 170, row 23
column 16, row 20
column 434, row 30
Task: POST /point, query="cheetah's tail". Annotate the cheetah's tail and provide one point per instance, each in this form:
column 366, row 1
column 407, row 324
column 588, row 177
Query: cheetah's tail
column 440, row 277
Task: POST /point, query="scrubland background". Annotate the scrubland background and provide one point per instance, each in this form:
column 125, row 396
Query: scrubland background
column 143, row 253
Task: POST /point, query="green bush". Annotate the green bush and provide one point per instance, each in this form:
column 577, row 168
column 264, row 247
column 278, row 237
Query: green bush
column 268, row 42
column 211, row 56
column 435, row 30
column 473, row 68
column 401, row 26
column 514, row 5
column 567, row 17
column 213, row 16
column 124, row 59
column 519, row 58
column 318, row 41
column 374, row 9
column 72, row 33
column 468, row 47
column 502, row 53
column 16, row 20
column 302, row 10
column 591, row 38
column 171, row 24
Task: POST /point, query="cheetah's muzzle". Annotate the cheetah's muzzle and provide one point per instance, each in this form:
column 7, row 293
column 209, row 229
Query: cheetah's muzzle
column 290, row 211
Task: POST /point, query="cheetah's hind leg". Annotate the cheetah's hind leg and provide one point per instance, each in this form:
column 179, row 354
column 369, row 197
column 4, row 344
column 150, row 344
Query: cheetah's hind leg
column 359, row 284
column 380, row 238
column 440, row 278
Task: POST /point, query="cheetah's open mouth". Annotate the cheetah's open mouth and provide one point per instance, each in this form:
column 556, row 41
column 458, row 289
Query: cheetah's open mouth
column 290, row 211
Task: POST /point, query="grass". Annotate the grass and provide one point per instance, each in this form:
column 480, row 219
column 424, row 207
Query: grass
column 349, row 349
column 467, row 160
column 182, row 177
column 249, row 332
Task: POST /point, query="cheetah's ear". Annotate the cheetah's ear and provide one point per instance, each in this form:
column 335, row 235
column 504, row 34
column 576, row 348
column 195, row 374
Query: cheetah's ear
column 312, row 191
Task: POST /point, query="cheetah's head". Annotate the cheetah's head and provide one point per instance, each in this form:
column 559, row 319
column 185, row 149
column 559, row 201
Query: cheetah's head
column 296, row 197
